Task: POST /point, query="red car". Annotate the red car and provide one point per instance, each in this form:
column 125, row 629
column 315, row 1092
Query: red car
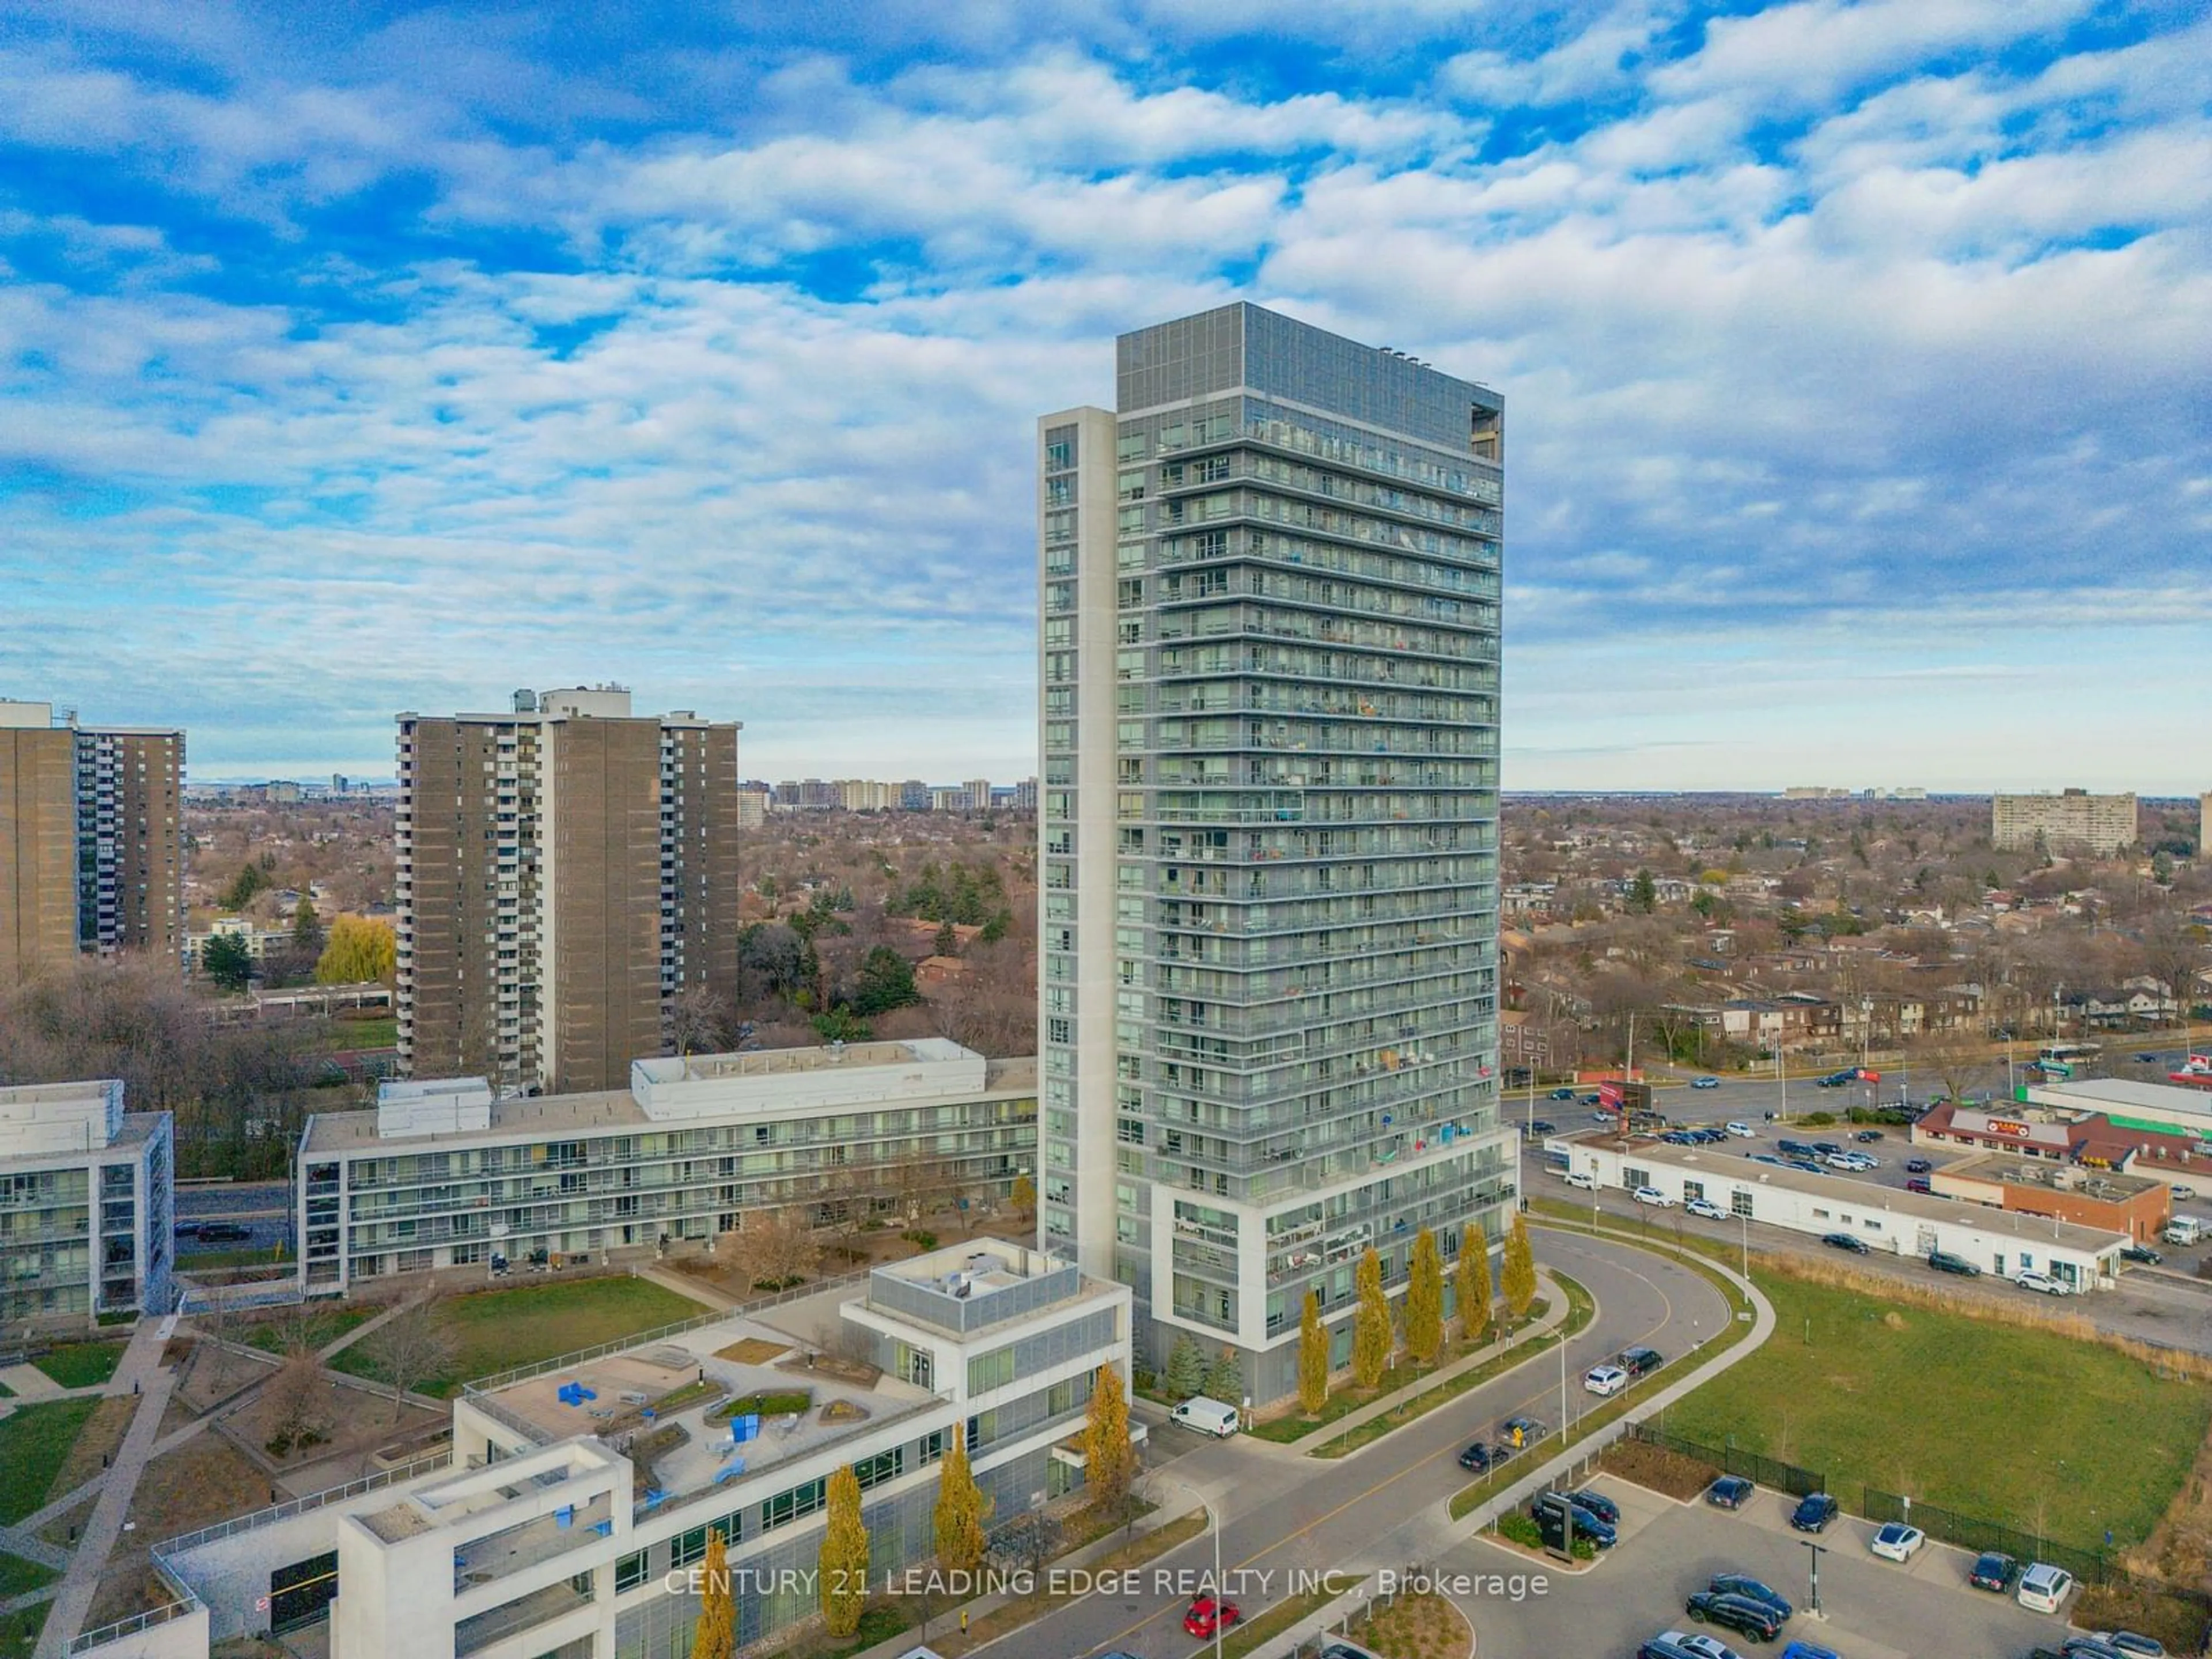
column 1206, row 1614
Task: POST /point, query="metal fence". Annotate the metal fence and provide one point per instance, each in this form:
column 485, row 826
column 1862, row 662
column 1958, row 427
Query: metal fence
column 313, row 1500
column 1736, row 1459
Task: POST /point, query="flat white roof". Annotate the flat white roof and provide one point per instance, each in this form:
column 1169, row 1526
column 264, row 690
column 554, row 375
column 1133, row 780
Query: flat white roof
column 2101, row 1093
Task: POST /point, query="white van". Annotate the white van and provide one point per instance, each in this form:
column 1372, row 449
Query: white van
column 1207, row 1417
column 1583, row 1179
column 2184, row 1230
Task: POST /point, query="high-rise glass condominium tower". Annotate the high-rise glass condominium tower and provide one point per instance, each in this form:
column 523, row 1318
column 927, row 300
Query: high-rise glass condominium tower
column 1269, row 826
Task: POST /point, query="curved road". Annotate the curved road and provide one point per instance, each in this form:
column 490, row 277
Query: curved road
column 1287, row 1513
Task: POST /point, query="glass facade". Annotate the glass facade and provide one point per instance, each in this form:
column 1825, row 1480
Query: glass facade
column 1296, row 790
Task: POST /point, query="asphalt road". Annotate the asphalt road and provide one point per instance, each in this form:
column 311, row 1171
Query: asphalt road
column 262, row 1208
column 1288, row 1513
column 1667, row 1550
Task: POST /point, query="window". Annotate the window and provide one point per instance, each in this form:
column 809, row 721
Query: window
column 788, row 1506
column 991, row 1371
column 1819, row 1215
column 883, row 1466
column 1740, row 1202
column 687, row 1547
column 629, row 1572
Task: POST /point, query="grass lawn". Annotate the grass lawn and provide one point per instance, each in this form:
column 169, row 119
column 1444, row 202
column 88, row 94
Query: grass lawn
column 34, row 1443
column 2026, row 1426
column 496, row 1330
column 319, row 1330
column 19, row 1632
column 17, row 1576
column 353, row 1034
column 208, row 1260
column 81, row 1365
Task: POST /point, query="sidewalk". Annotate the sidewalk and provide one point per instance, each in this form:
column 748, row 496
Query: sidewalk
column 684, row 1285
column 82, row 1582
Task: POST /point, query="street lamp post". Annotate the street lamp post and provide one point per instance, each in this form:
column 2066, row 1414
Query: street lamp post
column 1813, row 1608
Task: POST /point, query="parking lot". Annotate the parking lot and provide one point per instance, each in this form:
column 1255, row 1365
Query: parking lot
column 1874, row 1609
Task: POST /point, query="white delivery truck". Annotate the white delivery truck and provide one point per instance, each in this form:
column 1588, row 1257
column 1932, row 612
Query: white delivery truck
column 2184, row 1230
column 1207, row 1417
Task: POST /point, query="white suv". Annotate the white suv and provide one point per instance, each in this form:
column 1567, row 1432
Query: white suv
column 1605, row 1379
column 2029, row 1280
column 2043, row 1587
column 1652, row 1195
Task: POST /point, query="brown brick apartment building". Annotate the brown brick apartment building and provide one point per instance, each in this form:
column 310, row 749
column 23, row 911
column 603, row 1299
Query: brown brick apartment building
column 91, row 840
column 565, row 872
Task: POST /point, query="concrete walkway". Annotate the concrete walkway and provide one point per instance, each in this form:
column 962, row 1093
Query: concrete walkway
column 684, row 1285
column 21, row 1541
column 82, row 1582
column 29, row 1384
column 28, row 1599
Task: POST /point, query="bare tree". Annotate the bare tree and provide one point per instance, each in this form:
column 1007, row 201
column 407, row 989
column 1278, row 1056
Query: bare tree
column 698, row 1018
column 294, row 1402
column 411, row 1348
column 774, row 1250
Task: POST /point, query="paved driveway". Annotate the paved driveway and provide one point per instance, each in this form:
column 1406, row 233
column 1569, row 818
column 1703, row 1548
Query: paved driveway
column 1875, row 1609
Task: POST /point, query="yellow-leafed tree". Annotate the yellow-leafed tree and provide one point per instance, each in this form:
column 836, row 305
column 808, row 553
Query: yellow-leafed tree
column 715, row 1635
column 1370, row 1326
column 1110, row 1462
column 1424, row 1299
column 843, row 1563
column 360, row 949
column 1313, row 1358
column 961, row 1509
column 1518, row 1277
column 1472, row 1278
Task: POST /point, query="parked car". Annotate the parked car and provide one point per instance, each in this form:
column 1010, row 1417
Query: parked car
column 1740, row 1131
column 1730, row 1492
column 1639, row 1362
column 1917, row 1166
column 1807, row 1650
column 1743, row 1585
column 1605, row 1379
column 1805, row 1164
column 2127, row 1641
column 1596, row 1527
column 1205, row 1615
column 1895, row 1541
column 1866, row 1137
column 1593, row 1099
column 1737, row 1613
column 2044, row 1588
column 223, row 1232
column 1705, row 1083
column 1478, row 1457
column 1851, row 1242
column 1765, row 1157
column 1597, row 1503
column 1707, row 1208
column 1793, row 1148
column 1814, row 1512
column 1943, row 1262
column 1541, row 1126
column 1826, row 1148
column 2028, row 1279
column 1919, row 1184
column 2140, row 1253
column 1684, row 1644
column 1994, row 1570
column 1560, row 1094
column 1583, row 1179
column 1519, row 1431
column 1654, row 1197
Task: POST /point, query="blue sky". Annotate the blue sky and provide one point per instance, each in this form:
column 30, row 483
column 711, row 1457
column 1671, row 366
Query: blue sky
column 360, row 359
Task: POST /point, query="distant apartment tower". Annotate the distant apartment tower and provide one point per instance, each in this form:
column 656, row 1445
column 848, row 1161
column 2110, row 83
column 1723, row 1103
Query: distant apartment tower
column 566, row 871
column 91, row 840
column 1268, row 831
column 979, row 794
column 2075, row 820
